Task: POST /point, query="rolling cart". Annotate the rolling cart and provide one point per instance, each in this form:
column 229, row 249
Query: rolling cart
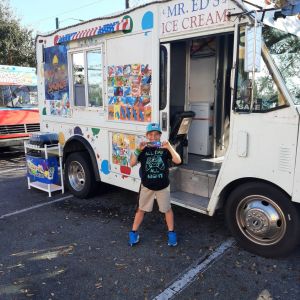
column 44, row 167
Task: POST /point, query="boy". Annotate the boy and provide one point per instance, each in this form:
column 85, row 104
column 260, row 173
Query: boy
column 154, row 172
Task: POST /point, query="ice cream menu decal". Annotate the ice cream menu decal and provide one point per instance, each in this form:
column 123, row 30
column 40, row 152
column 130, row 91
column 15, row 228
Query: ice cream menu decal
column 129, row 92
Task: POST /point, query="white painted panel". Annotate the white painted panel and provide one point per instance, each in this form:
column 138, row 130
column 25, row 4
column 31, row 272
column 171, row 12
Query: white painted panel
column 130, row 49
column 202, row 80
column 296, row 185
column 200, row 139
column 272, row 138
column 242, row 143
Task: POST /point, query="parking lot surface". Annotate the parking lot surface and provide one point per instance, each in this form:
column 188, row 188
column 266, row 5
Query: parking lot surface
column 66, row 248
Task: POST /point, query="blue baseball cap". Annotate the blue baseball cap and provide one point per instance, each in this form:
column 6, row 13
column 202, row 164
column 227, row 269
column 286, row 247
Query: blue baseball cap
column 153, row 127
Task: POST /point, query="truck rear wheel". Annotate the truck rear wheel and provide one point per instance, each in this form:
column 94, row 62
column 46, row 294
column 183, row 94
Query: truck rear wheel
column 263, row 219
column 79, row 176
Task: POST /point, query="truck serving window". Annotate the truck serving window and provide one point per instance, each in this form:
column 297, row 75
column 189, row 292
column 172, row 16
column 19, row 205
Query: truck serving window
column 266, row 94
column 87, row 78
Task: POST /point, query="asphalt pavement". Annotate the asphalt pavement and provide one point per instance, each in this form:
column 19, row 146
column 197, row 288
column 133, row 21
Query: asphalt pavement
column 66, row 248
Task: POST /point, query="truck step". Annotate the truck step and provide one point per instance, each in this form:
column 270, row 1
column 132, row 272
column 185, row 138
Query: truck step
column 190, row 201
column 193, row 182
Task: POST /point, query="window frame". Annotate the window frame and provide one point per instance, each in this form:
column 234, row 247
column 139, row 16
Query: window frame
column 274, row 75
column 85, row 50
column 163, row 77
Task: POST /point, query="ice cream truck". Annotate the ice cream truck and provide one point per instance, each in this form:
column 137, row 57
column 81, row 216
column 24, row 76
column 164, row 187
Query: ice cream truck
column 222, row 79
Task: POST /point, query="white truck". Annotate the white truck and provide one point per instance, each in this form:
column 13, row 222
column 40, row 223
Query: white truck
column 232, row 71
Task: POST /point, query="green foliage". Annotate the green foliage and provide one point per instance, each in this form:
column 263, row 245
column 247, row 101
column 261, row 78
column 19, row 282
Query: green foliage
column 284, row 49
column 16, row 42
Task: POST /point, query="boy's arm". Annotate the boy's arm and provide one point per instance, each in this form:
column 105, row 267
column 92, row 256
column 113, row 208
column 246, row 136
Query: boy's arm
column 175, row 156
column 134, row 156
column 133, row 159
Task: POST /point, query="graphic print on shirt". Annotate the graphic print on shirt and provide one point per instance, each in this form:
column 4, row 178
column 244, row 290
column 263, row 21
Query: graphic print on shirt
column 154, row 164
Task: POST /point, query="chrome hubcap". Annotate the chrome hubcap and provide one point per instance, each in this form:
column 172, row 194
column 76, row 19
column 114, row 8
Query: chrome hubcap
column 261, row 220
column 76, row 176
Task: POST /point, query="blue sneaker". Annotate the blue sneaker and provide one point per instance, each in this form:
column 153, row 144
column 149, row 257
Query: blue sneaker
column 134, row 238
column 172, row 239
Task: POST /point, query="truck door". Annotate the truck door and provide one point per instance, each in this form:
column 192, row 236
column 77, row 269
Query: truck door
column 173, row 85
column 224, row 55
column 164, row 89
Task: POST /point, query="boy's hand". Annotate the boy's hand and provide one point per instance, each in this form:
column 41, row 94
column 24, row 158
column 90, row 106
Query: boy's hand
column 166, row 145
column 175, row 156
column 142, row 145
column 136, row 153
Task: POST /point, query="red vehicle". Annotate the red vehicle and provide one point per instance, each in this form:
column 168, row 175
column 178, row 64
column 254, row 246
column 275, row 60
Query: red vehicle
column 19, row 115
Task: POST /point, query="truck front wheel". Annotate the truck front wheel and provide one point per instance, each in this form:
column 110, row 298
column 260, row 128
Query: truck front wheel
column 263, row 219
column 79, row 175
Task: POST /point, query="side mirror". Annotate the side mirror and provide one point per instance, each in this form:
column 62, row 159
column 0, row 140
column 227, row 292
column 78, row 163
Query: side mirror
column 253, row 43
column 288, row 8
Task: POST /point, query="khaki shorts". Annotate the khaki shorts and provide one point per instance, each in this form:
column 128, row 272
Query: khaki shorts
column 147, row 197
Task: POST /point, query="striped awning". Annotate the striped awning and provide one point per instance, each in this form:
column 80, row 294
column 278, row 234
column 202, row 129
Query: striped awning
column 124, row 24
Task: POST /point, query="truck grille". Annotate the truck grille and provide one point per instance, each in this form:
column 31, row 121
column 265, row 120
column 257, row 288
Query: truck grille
column 32, row 127
column 23, row 128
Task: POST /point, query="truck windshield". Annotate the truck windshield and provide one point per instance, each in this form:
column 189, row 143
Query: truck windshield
column 285, row 51
column 18, row 96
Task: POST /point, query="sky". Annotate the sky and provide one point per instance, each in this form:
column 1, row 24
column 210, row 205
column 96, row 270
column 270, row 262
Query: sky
column 40, row 15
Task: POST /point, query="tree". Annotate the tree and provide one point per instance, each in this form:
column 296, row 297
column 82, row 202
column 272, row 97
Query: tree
column 284, row 49
column 16, row 43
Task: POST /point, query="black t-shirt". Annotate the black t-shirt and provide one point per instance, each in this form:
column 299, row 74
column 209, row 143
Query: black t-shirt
column 154, row 169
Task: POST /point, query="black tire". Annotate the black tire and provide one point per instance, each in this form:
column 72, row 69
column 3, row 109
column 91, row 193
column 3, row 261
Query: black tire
column 79, row 176
column 248, row 214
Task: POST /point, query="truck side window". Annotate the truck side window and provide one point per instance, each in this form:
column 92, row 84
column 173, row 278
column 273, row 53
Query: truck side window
column 87, row 71
column 94, row 78
column 266, row 95
column 284, row 50
column 78, row 79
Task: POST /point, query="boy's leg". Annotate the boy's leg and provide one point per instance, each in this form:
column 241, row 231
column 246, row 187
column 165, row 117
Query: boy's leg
column 172, row 236
column 138, row 219
column 134, row 237
column 146, row 199
column 170, row 219
column 164, row 203
column 163, row 200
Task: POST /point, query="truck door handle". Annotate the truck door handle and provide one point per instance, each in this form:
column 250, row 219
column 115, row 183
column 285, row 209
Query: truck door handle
column 164, row 119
